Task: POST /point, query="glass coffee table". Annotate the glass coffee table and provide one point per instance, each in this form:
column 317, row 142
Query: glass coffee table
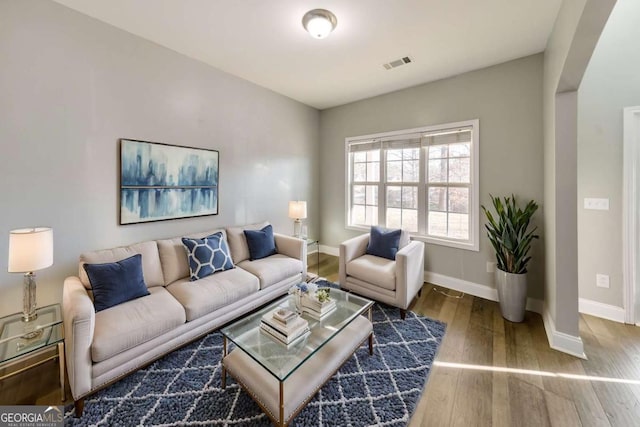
column 282, row 379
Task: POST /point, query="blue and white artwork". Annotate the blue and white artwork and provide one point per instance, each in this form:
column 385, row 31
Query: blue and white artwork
column 159, row 181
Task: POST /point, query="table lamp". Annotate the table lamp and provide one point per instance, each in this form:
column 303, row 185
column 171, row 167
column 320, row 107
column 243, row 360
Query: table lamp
column 30, row 249
column 297, row 211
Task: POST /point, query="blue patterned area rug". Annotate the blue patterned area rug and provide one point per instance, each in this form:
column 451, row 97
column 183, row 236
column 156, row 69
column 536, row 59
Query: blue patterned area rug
column 183, row 388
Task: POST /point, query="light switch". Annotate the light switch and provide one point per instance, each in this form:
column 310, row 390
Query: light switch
column 602, row 280
column 596, row 204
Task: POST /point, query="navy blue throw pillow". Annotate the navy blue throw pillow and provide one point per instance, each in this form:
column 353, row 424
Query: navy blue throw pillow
column 207, row 256
column 116, row 282
column 261, row 243
column 384, row 243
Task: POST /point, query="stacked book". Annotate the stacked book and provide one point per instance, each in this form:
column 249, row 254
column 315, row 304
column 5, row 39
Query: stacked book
column 316, row 309
column 284, row 325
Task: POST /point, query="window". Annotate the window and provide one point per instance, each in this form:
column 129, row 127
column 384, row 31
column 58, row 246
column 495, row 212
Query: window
column 366, row 175
column 424, row 180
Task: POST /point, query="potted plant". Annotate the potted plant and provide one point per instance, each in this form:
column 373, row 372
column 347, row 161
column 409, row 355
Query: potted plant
column 511, row 238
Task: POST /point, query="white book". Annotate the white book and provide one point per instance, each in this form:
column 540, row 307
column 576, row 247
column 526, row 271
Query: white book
column 279, row 340
column 291, row 328
column 317, row 306
column 282, row 338
column 316, row 315
column 284, row 315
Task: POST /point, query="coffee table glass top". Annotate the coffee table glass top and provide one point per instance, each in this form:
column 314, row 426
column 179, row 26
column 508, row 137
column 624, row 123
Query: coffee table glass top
column 279, row 359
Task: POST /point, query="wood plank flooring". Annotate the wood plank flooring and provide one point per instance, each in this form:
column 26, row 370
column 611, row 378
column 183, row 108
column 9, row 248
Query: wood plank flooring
column 478, row 340
column 476, row 392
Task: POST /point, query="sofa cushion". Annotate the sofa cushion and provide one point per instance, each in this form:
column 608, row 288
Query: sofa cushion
column 260, row 242
column 151, row 269
column 116, row 282
column 384, row 242
column 273, row 269
column 218, row 290
column 173, row 256
column 129, row 324
column 238, row 242
column 376, row 270
column 207, row 256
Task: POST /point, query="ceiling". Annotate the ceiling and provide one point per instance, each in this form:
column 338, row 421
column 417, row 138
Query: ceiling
column 264, row 42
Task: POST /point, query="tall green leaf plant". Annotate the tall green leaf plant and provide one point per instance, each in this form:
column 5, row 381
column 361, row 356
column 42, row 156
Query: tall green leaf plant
column 509, row 233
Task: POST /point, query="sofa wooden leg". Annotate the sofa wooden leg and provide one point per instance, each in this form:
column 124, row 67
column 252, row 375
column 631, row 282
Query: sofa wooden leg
column 420, row 293
column 403, row 314
column 79, row 405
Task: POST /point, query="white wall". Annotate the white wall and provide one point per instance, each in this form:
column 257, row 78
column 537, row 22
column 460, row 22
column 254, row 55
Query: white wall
column 611, row 82
column 507, row 98
column 71, row 86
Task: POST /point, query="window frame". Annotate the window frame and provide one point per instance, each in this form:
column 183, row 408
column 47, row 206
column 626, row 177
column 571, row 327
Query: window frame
column 473, row 243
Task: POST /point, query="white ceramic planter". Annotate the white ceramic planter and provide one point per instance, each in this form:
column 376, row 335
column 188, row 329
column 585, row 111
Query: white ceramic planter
column 512, row 295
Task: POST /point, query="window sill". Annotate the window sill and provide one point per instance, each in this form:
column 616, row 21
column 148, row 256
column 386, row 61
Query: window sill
column 430, row 240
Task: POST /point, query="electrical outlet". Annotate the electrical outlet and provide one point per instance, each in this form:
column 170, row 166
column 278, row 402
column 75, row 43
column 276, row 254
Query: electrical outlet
column 491, row 267
column 596, row 204
column 602, row 281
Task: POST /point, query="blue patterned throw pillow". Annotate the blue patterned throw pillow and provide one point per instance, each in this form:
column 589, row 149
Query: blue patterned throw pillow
column 207, row 256
column 384, row 243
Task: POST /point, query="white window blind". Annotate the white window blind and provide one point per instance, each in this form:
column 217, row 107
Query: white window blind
column 424, row 180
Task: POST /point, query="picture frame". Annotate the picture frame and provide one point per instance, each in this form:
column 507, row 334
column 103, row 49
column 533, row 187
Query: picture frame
column 162, row 181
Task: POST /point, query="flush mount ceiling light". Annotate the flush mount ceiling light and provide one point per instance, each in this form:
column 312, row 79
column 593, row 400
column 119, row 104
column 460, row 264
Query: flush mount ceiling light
column 319, row 22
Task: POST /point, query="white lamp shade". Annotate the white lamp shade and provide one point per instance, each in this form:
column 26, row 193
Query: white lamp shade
column 298, row 209
column 30, row 249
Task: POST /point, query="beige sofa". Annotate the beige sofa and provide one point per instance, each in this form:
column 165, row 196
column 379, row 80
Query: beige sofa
column 105, row 346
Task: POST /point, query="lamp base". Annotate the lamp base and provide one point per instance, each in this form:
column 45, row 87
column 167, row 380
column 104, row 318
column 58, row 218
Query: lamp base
column 29, row 297
column 297, row 228
column 28, row 318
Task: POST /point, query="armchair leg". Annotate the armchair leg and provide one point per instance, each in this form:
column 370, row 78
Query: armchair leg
column 403, row 314
column 79, row 406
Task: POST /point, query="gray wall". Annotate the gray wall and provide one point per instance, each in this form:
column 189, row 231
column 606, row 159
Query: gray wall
column 507, row 99
column 71, row 86
column 570, row 45
column 611, row 82
column 555, row 56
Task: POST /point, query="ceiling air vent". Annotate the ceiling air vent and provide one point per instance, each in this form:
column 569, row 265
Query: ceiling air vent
column 398, row 62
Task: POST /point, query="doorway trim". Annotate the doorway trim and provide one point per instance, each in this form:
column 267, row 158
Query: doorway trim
column 630, row 210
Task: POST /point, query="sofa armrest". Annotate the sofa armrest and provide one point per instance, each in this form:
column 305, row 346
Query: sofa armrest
column 292, row 247
column 350, row 250
column 79, row 321
column 409, row 272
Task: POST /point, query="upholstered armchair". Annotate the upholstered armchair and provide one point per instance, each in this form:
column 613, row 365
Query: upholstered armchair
column 392, row 281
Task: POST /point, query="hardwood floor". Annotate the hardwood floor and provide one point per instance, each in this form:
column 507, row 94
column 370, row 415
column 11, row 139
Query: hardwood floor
column 465, row 389
column 468, row 385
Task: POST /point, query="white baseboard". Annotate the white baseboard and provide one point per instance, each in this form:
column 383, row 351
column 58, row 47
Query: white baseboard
column 557, row 340
column 461, row 285
column 560, row 341
column 476, row 289
column 598, row 309
column 330, row 250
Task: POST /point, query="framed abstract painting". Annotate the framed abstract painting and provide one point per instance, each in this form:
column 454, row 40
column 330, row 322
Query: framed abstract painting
column 162, row 181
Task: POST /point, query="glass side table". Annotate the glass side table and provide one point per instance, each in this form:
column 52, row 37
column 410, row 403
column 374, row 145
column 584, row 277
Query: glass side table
column 20, row 340
column 313, row 242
